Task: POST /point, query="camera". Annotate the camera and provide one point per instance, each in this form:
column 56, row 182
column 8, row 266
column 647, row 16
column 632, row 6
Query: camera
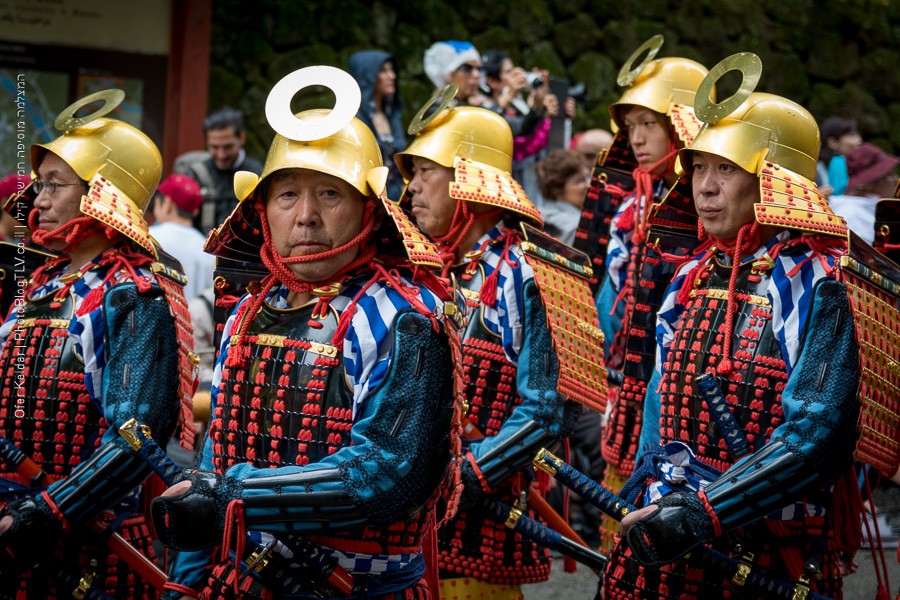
column 534, row 79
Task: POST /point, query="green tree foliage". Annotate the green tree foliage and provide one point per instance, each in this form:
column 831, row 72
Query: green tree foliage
column 832, row 56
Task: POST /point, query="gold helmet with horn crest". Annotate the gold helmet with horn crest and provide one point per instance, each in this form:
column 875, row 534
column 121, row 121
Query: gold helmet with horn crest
column 121, row 165
column 771, row 137
column 477, row 144
column 664, row 85
column 333, row 142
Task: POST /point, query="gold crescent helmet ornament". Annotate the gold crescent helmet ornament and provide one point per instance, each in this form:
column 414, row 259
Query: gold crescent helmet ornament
column 445, row 96
column 629, row 71
column 705, row 106
column 121, row 165
column 66, row 121
column 666, row 86
column 772, row 137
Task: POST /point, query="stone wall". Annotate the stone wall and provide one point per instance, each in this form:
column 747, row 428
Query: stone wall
column 832, row 56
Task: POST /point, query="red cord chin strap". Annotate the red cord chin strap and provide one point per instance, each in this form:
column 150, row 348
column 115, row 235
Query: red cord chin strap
column 280, row 271
column 636, row 215
column 73, row 232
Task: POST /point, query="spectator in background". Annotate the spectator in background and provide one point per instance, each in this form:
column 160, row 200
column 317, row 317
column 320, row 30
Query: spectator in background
column 589, row 143
column 456, row 62
column 175, row 205
column 528, row 118
column 225, row 137
column 564, row 179
column 872, row 175
column 839, row 136
column 380, row 108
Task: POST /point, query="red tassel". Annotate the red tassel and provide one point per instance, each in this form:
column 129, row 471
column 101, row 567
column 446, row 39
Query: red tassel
column 725, row 367
column 92, row 301
column 882, row 594
column 489, row 288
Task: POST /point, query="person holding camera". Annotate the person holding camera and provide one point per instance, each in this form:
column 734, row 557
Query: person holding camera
column 529, row 118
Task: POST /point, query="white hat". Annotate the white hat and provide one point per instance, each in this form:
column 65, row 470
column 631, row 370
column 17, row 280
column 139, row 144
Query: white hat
column 442, row 58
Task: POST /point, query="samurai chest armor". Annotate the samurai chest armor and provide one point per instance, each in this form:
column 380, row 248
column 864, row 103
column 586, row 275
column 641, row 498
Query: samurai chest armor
column 283, row 399
column 475, row 545
column 45, row 408
column 753, row 388
column 490, row 378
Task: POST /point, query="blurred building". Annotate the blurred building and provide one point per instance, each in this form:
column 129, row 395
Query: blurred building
column 53, row 52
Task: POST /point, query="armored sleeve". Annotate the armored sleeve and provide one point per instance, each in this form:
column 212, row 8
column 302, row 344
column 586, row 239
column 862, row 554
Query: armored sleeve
column 815, row 442
column 544, row 417
column 139, row 380
column 399, row 450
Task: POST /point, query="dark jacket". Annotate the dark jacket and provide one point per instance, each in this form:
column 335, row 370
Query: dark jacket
column 364, row 66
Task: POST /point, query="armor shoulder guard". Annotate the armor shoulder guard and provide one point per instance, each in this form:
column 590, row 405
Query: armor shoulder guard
column 170, row 277
column 561, row 274
column 168, row 266
column 873, row 286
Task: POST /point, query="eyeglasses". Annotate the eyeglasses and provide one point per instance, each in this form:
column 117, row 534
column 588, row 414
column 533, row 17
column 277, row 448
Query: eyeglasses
column 50, row 186
column 467, row 69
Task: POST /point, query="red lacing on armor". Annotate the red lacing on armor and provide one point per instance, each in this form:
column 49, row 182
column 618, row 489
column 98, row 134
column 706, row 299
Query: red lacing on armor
column 58, row 513
column 488, row 292
column 635, row 216
column 716, row 524
column 747, row 239
column 462, row 222
column 118, row 259
column 235, row 529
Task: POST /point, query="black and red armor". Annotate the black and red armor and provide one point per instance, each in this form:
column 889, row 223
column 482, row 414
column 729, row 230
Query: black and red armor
column 753, row 388
column 45, row 407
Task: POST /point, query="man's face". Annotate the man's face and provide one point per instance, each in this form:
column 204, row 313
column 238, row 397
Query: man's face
column 466, row 77
column 310, row 213
column 648, row 137
column 224, row 145
column 724, row 194
column 432, row 206
column 64, row 204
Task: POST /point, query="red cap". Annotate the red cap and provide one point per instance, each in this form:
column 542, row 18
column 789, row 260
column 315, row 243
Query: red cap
column 184, row 192
column 13, row 184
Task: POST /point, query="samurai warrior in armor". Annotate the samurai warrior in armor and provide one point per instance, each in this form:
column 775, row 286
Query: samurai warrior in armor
column 750, row 427
column 532, row 353
column 334, row 396
column 655, row 118
column 97, row 334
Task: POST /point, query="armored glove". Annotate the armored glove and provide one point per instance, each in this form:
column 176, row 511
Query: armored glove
column 473, row 489
column 196, row 518
column 29, row 539
column 681, row 523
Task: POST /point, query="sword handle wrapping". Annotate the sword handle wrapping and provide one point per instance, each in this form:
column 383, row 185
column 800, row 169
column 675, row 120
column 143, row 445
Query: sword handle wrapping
column 611, row 504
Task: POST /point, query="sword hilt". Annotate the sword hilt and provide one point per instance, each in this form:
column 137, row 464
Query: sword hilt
column 606, row 501
column 139, row 436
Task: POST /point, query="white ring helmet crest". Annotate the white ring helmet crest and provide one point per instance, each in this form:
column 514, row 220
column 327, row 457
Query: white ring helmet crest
column 347, row 100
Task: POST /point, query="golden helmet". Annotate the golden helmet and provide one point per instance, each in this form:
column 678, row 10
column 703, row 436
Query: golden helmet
column 348, row 154
column 120, row 163
column 764, row 128
column 665, row 85
column 477, row 144
column 772, row 137
column 468, row 132
column 333, row 142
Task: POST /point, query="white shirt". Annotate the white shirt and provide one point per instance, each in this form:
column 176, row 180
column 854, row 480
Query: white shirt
column 859, row 211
